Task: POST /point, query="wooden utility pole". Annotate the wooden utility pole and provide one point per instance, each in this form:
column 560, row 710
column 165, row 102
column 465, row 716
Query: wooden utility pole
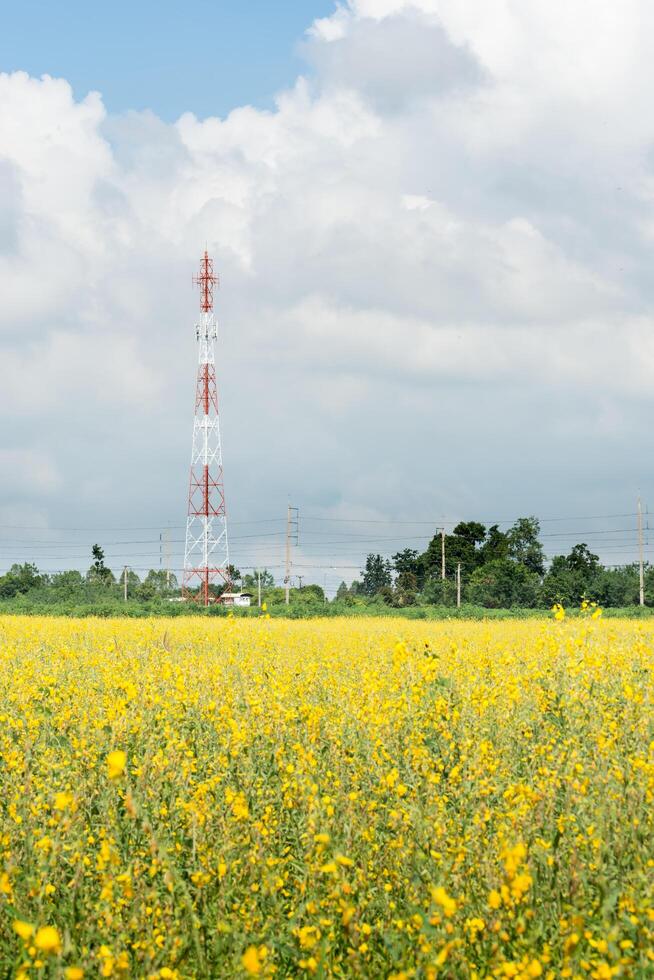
column 458, row 584
column 443, row 553
column 259, row 586
column 166, row 555
column 291, row 522
column 641, row 562
column 125, row 583
column 287, row 571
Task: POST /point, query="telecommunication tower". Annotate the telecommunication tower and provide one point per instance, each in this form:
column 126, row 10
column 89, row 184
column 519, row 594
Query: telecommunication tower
column 206, row 554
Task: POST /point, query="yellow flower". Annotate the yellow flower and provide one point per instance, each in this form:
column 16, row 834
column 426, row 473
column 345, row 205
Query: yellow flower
column 116, row 762
column 494, row 899
column 73, row 973
column 24, row 929
column 62, row 801
column 308, row 936
column 252, row 960
column 47, row 940
column 441, row 898
column 513, row 858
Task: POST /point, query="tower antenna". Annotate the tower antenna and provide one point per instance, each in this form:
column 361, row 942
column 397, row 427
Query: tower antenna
column 206, row 553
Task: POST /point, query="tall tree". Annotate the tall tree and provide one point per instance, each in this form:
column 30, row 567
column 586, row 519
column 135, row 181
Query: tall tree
column 377, row 574
column 406, row 561
column 574, row 577
column 98, row 572
column 462, row 546
column 524, row 545
column 495, row 546
column 581, row 559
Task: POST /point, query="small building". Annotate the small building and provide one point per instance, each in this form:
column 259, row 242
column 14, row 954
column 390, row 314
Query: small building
column 236, row 598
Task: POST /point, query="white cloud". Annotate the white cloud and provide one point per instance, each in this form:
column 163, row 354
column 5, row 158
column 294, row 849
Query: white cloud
column 440, row 237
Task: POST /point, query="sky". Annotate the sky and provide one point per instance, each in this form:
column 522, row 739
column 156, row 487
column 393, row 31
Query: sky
column 167, row 57
column 433, row 223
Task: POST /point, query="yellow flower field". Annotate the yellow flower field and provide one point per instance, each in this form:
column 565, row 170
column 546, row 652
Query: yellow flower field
column 360, row 798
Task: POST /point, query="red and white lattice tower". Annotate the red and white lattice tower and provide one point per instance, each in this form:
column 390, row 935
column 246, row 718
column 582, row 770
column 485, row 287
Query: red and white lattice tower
column 206, row 555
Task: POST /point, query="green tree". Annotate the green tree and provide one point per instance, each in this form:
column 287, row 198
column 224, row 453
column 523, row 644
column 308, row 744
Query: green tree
column 308, row 594
column 439, row 592
column 68, row 586
column 524, row 546
column 377, row 574
column 495, row 546
column 344, row 595
column 572, row 578
column 581, row 559
column 133, row 584
column 406, row 589
column 463, row 546
column 98, row 573
column 407, row 560
column 250, row 583
column 21, row 579
column 503, row 583
column 159, row 582
column 617, row 586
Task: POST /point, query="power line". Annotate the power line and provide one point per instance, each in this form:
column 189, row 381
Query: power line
column 439, row 521
column 158, row 527
column 435, row 523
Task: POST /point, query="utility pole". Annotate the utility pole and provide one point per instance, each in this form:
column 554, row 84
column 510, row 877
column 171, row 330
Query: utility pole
column 259, row 587
column 292, row 529
column 443, row 553
column 125, row 583
column 458, row 583
column 640, row 553
column 166, row 554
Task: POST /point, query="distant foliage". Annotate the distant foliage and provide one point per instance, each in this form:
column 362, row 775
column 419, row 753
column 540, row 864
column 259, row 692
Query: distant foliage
column 499, row 570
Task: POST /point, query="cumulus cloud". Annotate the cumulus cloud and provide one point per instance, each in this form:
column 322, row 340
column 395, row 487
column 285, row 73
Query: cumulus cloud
column 394, row 61
column 435, row 254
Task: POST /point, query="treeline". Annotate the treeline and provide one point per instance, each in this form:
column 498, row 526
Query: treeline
column 498, row 570
column 24, row 588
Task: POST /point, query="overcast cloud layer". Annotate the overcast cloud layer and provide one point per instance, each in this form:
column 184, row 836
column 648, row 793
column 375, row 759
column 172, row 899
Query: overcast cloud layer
column 436, row 263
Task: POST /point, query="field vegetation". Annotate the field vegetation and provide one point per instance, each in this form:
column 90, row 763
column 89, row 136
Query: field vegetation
column 347, row 797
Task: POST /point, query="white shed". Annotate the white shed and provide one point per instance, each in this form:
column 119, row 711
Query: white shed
column 236, row 598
